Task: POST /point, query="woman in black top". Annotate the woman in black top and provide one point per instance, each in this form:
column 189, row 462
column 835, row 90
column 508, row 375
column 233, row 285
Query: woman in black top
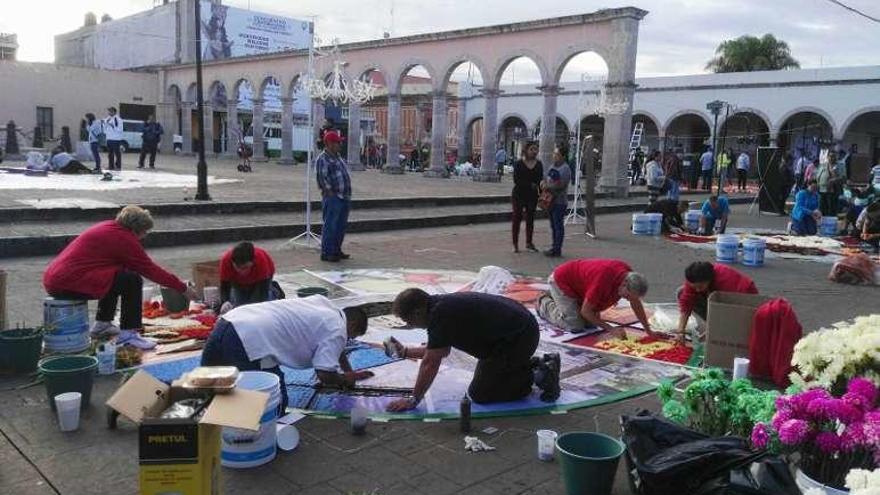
column 527, row 175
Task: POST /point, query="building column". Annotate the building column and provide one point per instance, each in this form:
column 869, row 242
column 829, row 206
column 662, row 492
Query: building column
column 463, row 138
column 232, row 130
column 488, row 171
column 354, row 138
column 547, row 138
column 618, row 132
column 392, row 161
column 439, row 125
column 259, row 145
column 186, row 127
column 286, row 132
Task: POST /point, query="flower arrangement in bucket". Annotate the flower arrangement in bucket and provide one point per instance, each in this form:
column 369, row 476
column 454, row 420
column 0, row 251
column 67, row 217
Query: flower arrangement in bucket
column 828, row 435
column 859, row 482
column 716, row 406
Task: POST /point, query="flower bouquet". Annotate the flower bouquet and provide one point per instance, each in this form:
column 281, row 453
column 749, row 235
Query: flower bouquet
column 715, row 406
column 830, row 435
column 830, row 357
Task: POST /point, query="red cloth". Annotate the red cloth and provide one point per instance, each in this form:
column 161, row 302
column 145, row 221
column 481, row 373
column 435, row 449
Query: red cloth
column 262, row 269
column 595, row 280
column 726, row 280
column 88, row 265
column 775, row 331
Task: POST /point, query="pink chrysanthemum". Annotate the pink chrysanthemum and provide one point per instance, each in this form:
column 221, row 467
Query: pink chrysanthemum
column 865, row 388
column 760, row 436
column 828, row 442
column 853, row 437
column 781, row 416
column 794, row 431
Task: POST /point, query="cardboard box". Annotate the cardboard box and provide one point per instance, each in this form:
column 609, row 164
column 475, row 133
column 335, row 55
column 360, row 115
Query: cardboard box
column 182, row 456
column 728, row 325
column 206, row 274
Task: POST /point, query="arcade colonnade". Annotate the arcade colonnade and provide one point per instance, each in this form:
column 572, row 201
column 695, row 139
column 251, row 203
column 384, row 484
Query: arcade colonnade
column 549, row 43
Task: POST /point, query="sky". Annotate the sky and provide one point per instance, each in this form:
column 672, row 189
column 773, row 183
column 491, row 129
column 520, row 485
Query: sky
column 677, row 37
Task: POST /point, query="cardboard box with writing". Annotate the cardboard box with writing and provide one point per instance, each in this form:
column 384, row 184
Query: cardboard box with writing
column 729, row 322
column 206, row 274
column 182, row 456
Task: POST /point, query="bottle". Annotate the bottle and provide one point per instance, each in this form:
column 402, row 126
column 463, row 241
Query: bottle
column 464, row 411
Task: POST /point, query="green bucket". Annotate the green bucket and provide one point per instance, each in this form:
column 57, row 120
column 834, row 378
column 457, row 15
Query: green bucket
column 68, row 374
column 312, row 291
column 20, row 349
column 589, row 462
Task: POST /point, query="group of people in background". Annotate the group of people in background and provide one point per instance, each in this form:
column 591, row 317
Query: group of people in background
column 108, row 133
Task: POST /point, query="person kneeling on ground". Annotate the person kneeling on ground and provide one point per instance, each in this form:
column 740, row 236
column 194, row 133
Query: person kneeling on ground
column 500, row 332
column 868, row 225
column 580, row 290
column 701, row 280
column 805, row 215
column 671, row 211
column 65, row 163
column 308, row 332
column 716, row 209
column 106, row 263
column 246, row 275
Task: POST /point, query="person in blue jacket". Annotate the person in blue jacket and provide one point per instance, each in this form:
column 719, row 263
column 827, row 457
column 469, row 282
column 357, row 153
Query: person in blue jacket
column 805, row 214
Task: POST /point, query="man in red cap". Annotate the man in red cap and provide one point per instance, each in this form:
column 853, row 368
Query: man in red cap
column 335, row 183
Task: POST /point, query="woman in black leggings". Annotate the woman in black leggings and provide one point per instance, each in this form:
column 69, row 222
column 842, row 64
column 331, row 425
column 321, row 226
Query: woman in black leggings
column 527, row 175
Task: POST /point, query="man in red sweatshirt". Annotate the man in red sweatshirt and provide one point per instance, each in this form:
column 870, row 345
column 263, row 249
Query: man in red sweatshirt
column 702, row 279
column 106, row 262
column 246, row 273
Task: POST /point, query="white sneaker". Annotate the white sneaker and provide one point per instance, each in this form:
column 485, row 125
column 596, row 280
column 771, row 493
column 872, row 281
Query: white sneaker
column 102, row 329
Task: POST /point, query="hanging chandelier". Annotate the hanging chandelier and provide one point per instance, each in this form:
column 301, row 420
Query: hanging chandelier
column 339, row 88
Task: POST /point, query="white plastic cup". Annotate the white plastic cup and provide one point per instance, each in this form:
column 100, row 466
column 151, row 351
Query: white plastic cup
column 211, row 295
column 546, row 444
column 67, row 406
column 740, row 368
column 358, row 420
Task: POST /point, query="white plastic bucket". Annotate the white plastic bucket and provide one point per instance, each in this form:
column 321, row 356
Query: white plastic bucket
column 753, row 252
column 656, row 221
column 641, row 224
column 67, row 325
column 546, row 444
column 828, row 227
column 244, row 448
column 726, row 246
column 67, row 406
column 692, row 220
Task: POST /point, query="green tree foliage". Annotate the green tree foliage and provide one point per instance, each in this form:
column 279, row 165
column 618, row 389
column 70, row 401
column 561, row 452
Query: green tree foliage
column 750, row 53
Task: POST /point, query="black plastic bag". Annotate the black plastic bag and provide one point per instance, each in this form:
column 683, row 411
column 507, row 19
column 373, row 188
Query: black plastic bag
column 769, row 476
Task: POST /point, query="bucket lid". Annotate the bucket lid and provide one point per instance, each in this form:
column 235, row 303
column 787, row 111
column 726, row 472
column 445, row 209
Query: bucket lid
column 261, row 381
column 67, row 364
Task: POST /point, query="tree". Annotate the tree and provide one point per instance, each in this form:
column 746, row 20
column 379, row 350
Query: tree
column 750, row 53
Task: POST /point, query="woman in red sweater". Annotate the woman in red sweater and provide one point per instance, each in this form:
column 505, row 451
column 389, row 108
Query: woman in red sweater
column 107, row 262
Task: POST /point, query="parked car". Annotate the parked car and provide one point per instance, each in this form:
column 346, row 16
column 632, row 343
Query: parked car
column 132, row 135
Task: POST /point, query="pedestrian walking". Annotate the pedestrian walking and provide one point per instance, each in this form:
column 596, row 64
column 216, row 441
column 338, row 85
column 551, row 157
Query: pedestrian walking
column 335, row 184
column 500, row 159
column 151, row 135
column 743, row 164
column 674, row 175
column 113, row 131
column 556, row 180
column 95, row 129
column 707, row 164
column 527, row 175
column 654, row 177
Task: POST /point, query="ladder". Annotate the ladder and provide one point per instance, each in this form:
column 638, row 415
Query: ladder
column 636, row 141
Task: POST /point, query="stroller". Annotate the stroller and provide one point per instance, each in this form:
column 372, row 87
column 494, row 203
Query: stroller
column 245, row 152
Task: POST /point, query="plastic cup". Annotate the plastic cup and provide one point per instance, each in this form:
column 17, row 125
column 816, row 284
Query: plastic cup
column 740, row 368
column 358, row 420
column 211, row 295
column 67, row 407
column 546, row 444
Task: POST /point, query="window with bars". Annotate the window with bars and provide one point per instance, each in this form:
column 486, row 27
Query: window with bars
column 45, row 123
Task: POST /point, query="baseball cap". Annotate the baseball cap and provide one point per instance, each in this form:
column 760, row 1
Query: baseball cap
column 333, row 137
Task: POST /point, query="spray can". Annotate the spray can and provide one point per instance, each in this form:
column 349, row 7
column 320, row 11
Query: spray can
column 464, row 411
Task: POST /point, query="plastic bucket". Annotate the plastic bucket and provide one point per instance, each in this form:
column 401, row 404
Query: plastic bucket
column 68, row 405
column 692, row 220
column 312, row 291
column 641, row 224
column 589, row 462
column 20, row 349
column 828, row 227
column 726, row 246
column 656, row 221
column 175, row 302
column 244, row 448
column 753, row 252
column 68, row 374
column 67, row 325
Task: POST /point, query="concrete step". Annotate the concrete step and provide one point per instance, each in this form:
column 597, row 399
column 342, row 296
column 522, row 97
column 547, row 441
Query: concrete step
column 38, row 238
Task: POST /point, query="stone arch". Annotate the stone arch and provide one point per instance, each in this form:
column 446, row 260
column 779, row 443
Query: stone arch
column 236, row 87
column 217, row 94
column 396, row 84
column 264, row 83
column 505, row 60
column 852, row 118
column 372, row 67
column 515, row 115
column 560, row 120
column 511, row 141
column 442, row 83
column 191, row 93
column 682, row 113
column 573, row 51
column 173, row 94
column 759, row 113
column 806, row 109
column 649, row 116
column 290, row 90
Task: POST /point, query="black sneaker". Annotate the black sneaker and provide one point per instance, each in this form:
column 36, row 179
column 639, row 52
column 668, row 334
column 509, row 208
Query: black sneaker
column 551, row 365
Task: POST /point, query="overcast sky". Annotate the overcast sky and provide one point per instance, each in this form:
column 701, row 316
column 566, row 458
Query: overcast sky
column 677, row 37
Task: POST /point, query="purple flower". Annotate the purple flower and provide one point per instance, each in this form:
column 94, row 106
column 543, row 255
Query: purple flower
column 828, row 442
column 799, row 402
column 865, row 388
column 831, row 409
column 872, row 428
column 781, row 416
column 794, row 431
column 853, row 437
column 857, row 400
column 760, row 436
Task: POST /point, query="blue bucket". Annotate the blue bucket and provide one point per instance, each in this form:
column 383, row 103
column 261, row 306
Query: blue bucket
column 656, row 221
column 726, row 246
column 692, row 220
column 828, row 227
column 66, row 324
column 753, row 252
column 641, row 224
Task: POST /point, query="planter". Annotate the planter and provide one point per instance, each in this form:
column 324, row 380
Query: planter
column 805, row 483
column 20, row 349
column 589, row 462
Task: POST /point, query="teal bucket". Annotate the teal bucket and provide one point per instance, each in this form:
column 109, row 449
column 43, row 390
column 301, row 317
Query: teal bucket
column 312, row 291
column 20, row 349
column 68, row 374
column 589, row 462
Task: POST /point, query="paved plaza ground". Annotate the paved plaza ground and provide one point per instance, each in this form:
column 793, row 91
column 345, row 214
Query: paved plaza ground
column 397, row 457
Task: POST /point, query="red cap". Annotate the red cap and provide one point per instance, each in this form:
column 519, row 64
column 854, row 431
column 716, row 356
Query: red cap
column 333, row 137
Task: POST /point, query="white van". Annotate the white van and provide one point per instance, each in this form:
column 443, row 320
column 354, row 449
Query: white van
column 132, row 135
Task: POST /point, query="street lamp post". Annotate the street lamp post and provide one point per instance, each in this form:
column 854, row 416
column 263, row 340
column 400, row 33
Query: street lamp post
column 715, row 107
column 202, row 166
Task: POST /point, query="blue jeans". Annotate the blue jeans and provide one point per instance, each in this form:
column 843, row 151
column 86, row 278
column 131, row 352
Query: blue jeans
column 224, row 348
column 804, row 226
column 96, row 154
column 707, row 179
column 335, row 213
column 674, row 188
column 114, row 155
column 557, row 225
